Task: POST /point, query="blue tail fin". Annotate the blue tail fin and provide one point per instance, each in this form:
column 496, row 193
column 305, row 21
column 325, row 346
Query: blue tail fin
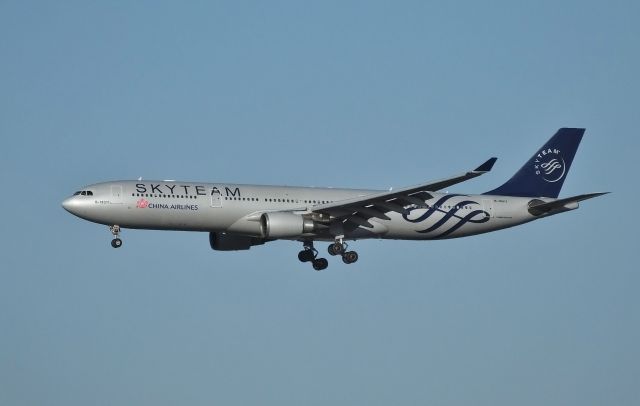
column 544, row 174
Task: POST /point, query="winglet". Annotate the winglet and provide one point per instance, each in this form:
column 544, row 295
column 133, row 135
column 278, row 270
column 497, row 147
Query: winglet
column 486, row 167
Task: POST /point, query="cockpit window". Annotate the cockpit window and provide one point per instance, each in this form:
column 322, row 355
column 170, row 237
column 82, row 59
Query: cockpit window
column 83, row 193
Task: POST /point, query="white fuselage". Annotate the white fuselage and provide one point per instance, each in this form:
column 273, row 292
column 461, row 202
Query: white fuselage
column 235, row 208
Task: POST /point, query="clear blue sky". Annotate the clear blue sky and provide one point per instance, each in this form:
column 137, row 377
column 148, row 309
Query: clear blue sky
column 354, row 94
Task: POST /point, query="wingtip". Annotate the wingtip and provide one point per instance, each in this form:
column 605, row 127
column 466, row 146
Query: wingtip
column 486, row 167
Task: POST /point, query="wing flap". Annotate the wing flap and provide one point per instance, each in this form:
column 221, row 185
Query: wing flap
column 360, row 221
column 372, row 212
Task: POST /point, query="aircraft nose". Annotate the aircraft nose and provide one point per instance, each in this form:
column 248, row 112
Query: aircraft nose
column 69, row 204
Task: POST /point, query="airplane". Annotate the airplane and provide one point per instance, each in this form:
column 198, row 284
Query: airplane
column 238, row 216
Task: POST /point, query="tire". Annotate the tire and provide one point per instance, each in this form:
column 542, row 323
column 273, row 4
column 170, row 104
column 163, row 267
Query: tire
column 320, row 263
column 116, row 243
column 305, row 255
column 335, row 249
column 350, row 257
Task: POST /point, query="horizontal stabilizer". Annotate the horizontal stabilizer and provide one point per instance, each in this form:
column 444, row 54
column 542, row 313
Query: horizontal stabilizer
column 538, row 209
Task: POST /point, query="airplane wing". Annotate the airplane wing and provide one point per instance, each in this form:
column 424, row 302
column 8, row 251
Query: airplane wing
column 359, row 210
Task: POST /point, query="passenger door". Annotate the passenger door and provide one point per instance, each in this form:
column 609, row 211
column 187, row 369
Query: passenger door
column 216, row 198
column 116, row 194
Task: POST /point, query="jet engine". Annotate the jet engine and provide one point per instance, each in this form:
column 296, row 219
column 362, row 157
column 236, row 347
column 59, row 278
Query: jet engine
column 230, row 242
column 285, row 225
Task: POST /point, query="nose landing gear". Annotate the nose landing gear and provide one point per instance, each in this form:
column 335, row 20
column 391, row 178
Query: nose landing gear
column 115, row 230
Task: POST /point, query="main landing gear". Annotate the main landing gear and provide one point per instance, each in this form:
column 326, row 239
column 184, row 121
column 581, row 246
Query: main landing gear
column 340, row 248
column 310, row 254
column 116, row 242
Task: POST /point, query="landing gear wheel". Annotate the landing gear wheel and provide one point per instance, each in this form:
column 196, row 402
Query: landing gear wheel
column 336, row 248
column 349, row 257
column 306, row 255
column 115, row 230
column 310, row 254
column 320, row 263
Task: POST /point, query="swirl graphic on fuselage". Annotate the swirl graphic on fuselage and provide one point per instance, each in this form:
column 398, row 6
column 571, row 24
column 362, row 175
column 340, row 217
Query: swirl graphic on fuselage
column 449, row 214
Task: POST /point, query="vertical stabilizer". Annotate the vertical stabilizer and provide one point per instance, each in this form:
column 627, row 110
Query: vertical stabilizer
column 545, row 172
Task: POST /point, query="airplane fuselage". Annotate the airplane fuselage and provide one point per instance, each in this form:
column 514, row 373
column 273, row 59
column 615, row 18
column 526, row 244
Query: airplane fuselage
column 236, row 208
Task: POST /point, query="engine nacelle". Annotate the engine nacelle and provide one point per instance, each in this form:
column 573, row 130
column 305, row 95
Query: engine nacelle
column 230, row 242
column 285, row 225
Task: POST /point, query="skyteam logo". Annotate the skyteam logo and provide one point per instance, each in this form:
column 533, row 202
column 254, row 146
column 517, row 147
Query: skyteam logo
column 549, row 164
